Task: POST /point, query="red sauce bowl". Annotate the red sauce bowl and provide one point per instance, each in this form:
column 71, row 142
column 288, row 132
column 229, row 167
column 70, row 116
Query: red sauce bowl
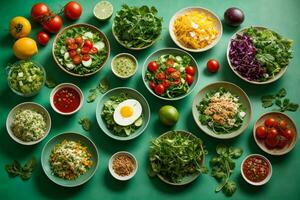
column 256, row 169
column 66, row 99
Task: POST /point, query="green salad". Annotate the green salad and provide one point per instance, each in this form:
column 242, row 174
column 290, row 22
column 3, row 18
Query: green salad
column 137, row 27
column 177, row 155
column 81, row 50
column 221, row 111
column 113, row 116
column 26, row 77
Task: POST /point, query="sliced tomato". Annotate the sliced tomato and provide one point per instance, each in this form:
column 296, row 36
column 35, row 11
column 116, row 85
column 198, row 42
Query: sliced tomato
column 86, row 57
column 170, row 70
column 170, row 62
column 166, row 83
column 93, row 50
column 70, row 41
column 88, row 43
column 176, row 82
column 72, row 53
column 85, row 50
column 72, row 46
column 160, row 76
column 76, row 59
column 175, row 75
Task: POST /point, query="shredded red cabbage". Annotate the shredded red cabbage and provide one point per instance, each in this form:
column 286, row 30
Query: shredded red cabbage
column 242, row 54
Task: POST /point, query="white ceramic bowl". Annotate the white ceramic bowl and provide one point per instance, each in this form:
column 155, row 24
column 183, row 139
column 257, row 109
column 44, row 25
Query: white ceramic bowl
column 28, row 105
column 66, row 85
column 263, row 181
column 130, row 56
column 114, row 174
column 200, row 9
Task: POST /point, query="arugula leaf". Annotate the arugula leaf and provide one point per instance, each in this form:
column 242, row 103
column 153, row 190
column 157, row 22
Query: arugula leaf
column 85, row 123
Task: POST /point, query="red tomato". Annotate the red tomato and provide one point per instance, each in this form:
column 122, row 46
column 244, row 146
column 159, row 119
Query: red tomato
column 38, row 11
column 88, row 43
column 93, row 50
column 76, row 59
column 73, row 10
column 166, row 83
column 72, row 46
column 70, row 41
column 272, row 133
column 152, row 85
column 152, row 66
column 159, row 89
column 261, row 132
column 176, row 82
column 86, row 57
column 190, row 70
column 212, row 65
column 85, row 50
column 175, row 75
column 270, row 122
column 189, row 79
column 282, row 124
column 170, row 63
column 170, row 70
column 160, row 76
column 72, row 53
column 288, row 134
column 42, row 38
column 53, row 24
column 79, row 40
column 282, row 142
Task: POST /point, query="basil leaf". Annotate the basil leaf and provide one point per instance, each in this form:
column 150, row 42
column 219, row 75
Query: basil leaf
column 221, row 149
column 85, row 123
column 50, row 83
column 292, row 107
column 235, row 152
column 267, row 101
column 229, row 188
column 281, row 93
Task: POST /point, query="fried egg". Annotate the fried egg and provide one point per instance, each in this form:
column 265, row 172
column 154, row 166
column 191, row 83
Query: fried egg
column 127, row 112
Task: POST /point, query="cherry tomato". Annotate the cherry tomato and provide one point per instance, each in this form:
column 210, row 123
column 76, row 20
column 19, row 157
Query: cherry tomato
column 86, row 57
column 282, row 142
column 38, row 11
column 72, row 53
column 175, row 75
column 159, row 89
column 189, row 79
column 166, row 83
column 93, row 50
column 160, row 76
column 190, row 70
column 170, row 70
column 272, row 133
column 42, row 38
column 282, row 124
column 272, row 139
column 288, row 134
column 88, row 43
column 53, row 24
column 85, row 50
column 152, row 66
column 76, row 59
column 73, row 10
column 72, row 46
column 79, row 40
column 270, row 122
column 170, row 63
column 152, row 85
column 70, row 41
column 261, row 132
column 212, row 65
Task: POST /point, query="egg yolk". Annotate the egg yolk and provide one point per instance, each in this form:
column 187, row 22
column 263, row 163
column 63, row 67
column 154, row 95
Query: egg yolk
column 126, row 111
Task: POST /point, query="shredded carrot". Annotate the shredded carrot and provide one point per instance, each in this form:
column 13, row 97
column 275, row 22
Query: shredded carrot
column 195, row 29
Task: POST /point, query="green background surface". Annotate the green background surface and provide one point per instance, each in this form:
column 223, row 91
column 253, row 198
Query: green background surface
column 279, row 15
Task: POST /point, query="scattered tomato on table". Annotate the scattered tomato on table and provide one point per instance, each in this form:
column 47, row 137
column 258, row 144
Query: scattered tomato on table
column 73, row 10
column 42, row 38
column 212, row 65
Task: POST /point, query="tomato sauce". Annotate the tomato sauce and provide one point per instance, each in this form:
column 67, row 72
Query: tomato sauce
column 66, row 100
column 256, row 168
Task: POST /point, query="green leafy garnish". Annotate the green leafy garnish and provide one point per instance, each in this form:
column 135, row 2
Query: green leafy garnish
column 25, row 172
column 50, row 83
column 222, row 167
column 101, row 88
column 137, row 27
column 85, row 123
column 280, row 101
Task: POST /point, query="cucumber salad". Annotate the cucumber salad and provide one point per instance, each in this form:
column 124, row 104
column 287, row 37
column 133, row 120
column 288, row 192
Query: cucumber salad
column 170, row 75
column 221, row 111
column 122, row 115
column 81, row 50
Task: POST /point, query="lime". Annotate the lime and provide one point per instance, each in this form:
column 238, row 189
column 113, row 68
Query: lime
column 103, row 10
column 168, row 115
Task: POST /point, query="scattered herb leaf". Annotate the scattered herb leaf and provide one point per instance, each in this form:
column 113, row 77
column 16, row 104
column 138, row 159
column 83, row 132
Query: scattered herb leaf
column 50, row 83
column 25, row 172
column 101, row 88
column 85, row 123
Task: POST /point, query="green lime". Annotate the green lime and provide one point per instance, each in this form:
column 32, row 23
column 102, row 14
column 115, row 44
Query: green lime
column 168, row 115
column 103, row 10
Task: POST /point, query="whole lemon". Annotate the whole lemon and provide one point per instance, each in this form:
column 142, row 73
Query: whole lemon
column 19, row 27
column 168, row 115
column 25, row 48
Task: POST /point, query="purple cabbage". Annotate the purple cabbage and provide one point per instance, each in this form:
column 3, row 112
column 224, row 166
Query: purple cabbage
column 242, row 54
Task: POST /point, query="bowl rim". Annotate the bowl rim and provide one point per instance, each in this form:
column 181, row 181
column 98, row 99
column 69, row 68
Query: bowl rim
column 144, row 69
column 67, row 85
column 36, row 64
column 183, row 10
column 107, row 17
column 128, row 55
column 263, row 181
column 194, row 176
column 19, row 106
column 80, row 135
column 105, row 40
column 115, row 175
column 275, row 78
column 262, row 147
column 99, row 118
column 221, row 136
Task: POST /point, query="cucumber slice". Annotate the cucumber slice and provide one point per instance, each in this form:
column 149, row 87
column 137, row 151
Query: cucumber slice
column 138, row 122
column 88, row 35
column 87, row 63
column 66, row 55
column 70, row 65
column 99, row 45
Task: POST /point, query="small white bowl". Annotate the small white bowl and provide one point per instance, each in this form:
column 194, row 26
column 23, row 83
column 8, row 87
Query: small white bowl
column 28, row 105
column 66, row 85
column 124, row 54
column 114, row 174
column 263, row 181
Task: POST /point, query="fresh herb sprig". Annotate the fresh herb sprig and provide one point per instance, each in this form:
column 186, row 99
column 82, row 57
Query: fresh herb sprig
column 50, row 83
column 25, row 172
column 85, row 123
column 280, row 101
column 222, row 167
column 101, row 88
